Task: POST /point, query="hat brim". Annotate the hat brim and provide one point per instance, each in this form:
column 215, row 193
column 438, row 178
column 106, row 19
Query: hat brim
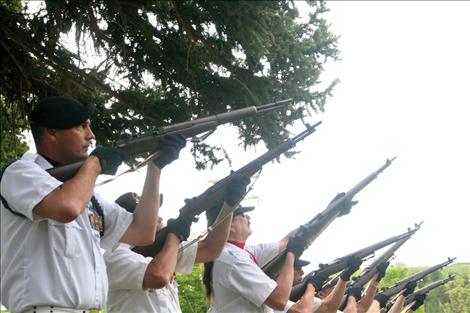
column 243, row 209
column 300, row 263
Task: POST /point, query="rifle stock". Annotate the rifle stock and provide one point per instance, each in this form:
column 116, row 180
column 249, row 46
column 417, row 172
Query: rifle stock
column 340, row 264
column 215, row 194
column 425, row 290
column 312, row 229
column 139, row 144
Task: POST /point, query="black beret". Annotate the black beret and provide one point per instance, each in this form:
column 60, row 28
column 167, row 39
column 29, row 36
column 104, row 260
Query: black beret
column 60, row 112
column 300, row 263
column 128, row 201
column 212, row 213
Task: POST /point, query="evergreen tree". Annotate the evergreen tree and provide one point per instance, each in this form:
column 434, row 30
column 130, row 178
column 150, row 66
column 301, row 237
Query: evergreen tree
column 146, row 64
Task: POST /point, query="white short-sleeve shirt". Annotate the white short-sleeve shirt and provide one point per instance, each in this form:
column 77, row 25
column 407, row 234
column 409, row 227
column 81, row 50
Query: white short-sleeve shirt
column 45, row 262
column 126, row 270
column 238, row 283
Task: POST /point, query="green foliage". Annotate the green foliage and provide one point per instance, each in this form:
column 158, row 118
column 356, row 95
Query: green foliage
column 451, row 297
column 191, row 292
column 147, row 64
column 12, row 140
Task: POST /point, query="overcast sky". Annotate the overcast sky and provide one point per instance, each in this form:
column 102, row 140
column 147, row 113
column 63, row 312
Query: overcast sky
column 404, row 92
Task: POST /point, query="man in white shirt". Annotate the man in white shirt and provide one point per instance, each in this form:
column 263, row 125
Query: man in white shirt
column 52, row 232
column 145, row 284
column 235, row 282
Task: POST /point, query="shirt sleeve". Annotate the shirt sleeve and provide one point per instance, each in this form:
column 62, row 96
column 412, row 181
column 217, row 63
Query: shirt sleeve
column 264, row 252
column 186, row 259
column 24, row 184
column 248, row 280
column 316, row 303
column 116, row 222
column 126, row 269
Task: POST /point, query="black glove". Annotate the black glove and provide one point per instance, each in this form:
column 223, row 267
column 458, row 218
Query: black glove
column 181, row 227
column 354, row 262
column 347, row 204
column 419, row 301
column 169, row 147
column 356, row 292
column 409, row 288
column 382, row 299
column 236, row 189
column 296, row 246
column 317, row 281
column 381, row 269
column 110, row 159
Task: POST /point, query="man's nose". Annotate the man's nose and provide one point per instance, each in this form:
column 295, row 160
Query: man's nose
column 90, row 134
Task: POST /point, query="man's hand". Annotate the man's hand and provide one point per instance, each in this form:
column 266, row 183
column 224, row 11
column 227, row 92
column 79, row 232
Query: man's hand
column 109, row 158
column 382, row 299
column 356, row 292
column 409, row 288
column 381, row 269
column 346, row 205
column 354, row 262
column 317, row 281
column 236, row 189
column 169, row 147
column 295, row 246
column 419, row 301
column 181, row 227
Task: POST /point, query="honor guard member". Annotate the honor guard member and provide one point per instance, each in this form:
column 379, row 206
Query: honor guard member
column 235, row 283
column 145, row 284
column 52, row 232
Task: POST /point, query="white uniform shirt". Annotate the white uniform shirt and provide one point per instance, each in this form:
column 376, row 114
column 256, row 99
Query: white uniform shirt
column 238, row 283
column 45, row 262
column 126, row 270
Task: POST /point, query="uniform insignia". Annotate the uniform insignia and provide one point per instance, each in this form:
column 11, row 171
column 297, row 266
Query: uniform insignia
column 96, row 221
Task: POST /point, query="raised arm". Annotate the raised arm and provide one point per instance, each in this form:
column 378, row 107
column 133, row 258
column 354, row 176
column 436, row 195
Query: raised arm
column 211, row 247
column 305, row 303
column 398, row 305
column 142, row 230
column 279, row 297
column 70, row 199
column 366, row 301
column 161, row 269
column 332, row 302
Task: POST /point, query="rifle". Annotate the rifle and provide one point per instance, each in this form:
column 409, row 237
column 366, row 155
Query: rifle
column 215, row 194
column 313, row 228
column 425, row 290
column 340, row 264
column 371, row 270
column 139, row 144
column 400, row 285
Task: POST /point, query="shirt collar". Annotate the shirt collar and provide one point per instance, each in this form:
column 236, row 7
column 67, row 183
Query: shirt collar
column 239, row 244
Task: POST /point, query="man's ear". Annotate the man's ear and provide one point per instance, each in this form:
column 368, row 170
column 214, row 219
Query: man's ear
column 232, row 228
column 50, row 134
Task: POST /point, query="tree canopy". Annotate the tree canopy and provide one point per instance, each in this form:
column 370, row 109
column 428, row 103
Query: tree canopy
column 147, row 64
